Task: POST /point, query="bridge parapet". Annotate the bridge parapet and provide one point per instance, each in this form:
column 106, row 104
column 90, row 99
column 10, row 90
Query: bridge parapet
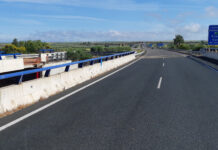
column 29, row 92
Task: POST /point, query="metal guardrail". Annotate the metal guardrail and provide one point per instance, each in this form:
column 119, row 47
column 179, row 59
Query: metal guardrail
column 67, row 66
column 15, row 55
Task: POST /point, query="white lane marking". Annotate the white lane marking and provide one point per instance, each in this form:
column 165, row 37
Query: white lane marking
column 60, row 99
column 159, row 83
column 163, row 64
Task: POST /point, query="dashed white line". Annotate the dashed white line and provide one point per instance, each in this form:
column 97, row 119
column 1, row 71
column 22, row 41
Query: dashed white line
column 163, row 64
column 159, row 83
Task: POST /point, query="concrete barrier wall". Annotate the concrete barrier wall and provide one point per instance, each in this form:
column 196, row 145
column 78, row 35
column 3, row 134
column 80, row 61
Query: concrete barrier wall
column 8, row 65
column 15, row 96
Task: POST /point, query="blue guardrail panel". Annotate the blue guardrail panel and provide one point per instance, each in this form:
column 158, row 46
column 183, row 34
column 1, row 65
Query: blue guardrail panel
column 67, row 65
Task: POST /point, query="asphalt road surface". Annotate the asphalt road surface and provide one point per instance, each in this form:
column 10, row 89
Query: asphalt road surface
column 164, row 101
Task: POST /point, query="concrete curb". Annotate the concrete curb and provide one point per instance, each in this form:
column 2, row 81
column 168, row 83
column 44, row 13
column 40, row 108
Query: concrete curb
column 139, row 54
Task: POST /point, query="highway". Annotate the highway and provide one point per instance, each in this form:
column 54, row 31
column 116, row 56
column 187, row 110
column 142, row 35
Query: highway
column 164, row 101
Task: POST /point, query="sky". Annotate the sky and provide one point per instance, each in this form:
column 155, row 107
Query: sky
column 106, row 20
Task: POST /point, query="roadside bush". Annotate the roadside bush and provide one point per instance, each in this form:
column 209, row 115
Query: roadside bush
column 10, row 48
column 78, row 55
column 21, row 49
column 171, row 46
column 197, row 47
column 184, row 46
column 34, row 46
column 97, row 49
column 118, row 49
column 25, row 46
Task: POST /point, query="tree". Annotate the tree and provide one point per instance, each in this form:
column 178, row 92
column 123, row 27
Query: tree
column 178, row 40
column 106, row 45
column 184, row 46
column 11, row 48
column 35, row 46
column 118, row 49
column 15, row 42
column 78, row 54
column 198, row 47
column 21, row 50
column 97, row 49
column 21, row 43
column 26, row 46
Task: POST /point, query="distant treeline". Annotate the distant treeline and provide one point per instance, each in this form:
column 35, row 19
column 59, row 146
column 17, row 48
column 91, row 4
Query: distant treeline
column 25, row 46
column 86, row 53
column 74, row 52
column 186, row 46
column 179, row 43
column 99, row 49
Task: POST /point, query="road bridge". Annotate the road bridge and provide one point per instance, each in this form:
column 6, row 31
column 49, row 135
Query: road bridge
column 163, row 101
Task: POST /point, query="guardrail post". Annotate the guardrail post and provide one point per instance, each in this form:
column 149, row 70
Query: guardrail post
column 67, row 68
column 47, row 73
column 37, row 75
column 101, row 61
column 80, row 65
column 20, row 79
column 91, row 62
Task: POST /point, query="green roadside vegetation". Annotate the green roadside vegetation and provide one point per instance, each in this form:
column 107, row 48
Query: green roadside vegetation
column 24, row 46
column 180, row 43
column 86, row 50
column 95, row 51
column 139, row 50
column 75, row 50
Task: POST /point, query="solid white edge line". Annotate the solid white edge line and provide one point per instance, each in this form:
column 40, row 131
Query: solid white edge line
column 159, row 83
column 60, row 99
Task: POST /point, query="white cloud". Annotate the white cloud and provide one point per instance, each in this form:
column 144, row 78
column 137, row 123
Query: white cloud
column 18, row 21
column 102, row 4
column 194, row 27
column 67, row 17
column 112, row 35
column 211, row 11
column 115, row 33
column 5, row 38
column 193, row 31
